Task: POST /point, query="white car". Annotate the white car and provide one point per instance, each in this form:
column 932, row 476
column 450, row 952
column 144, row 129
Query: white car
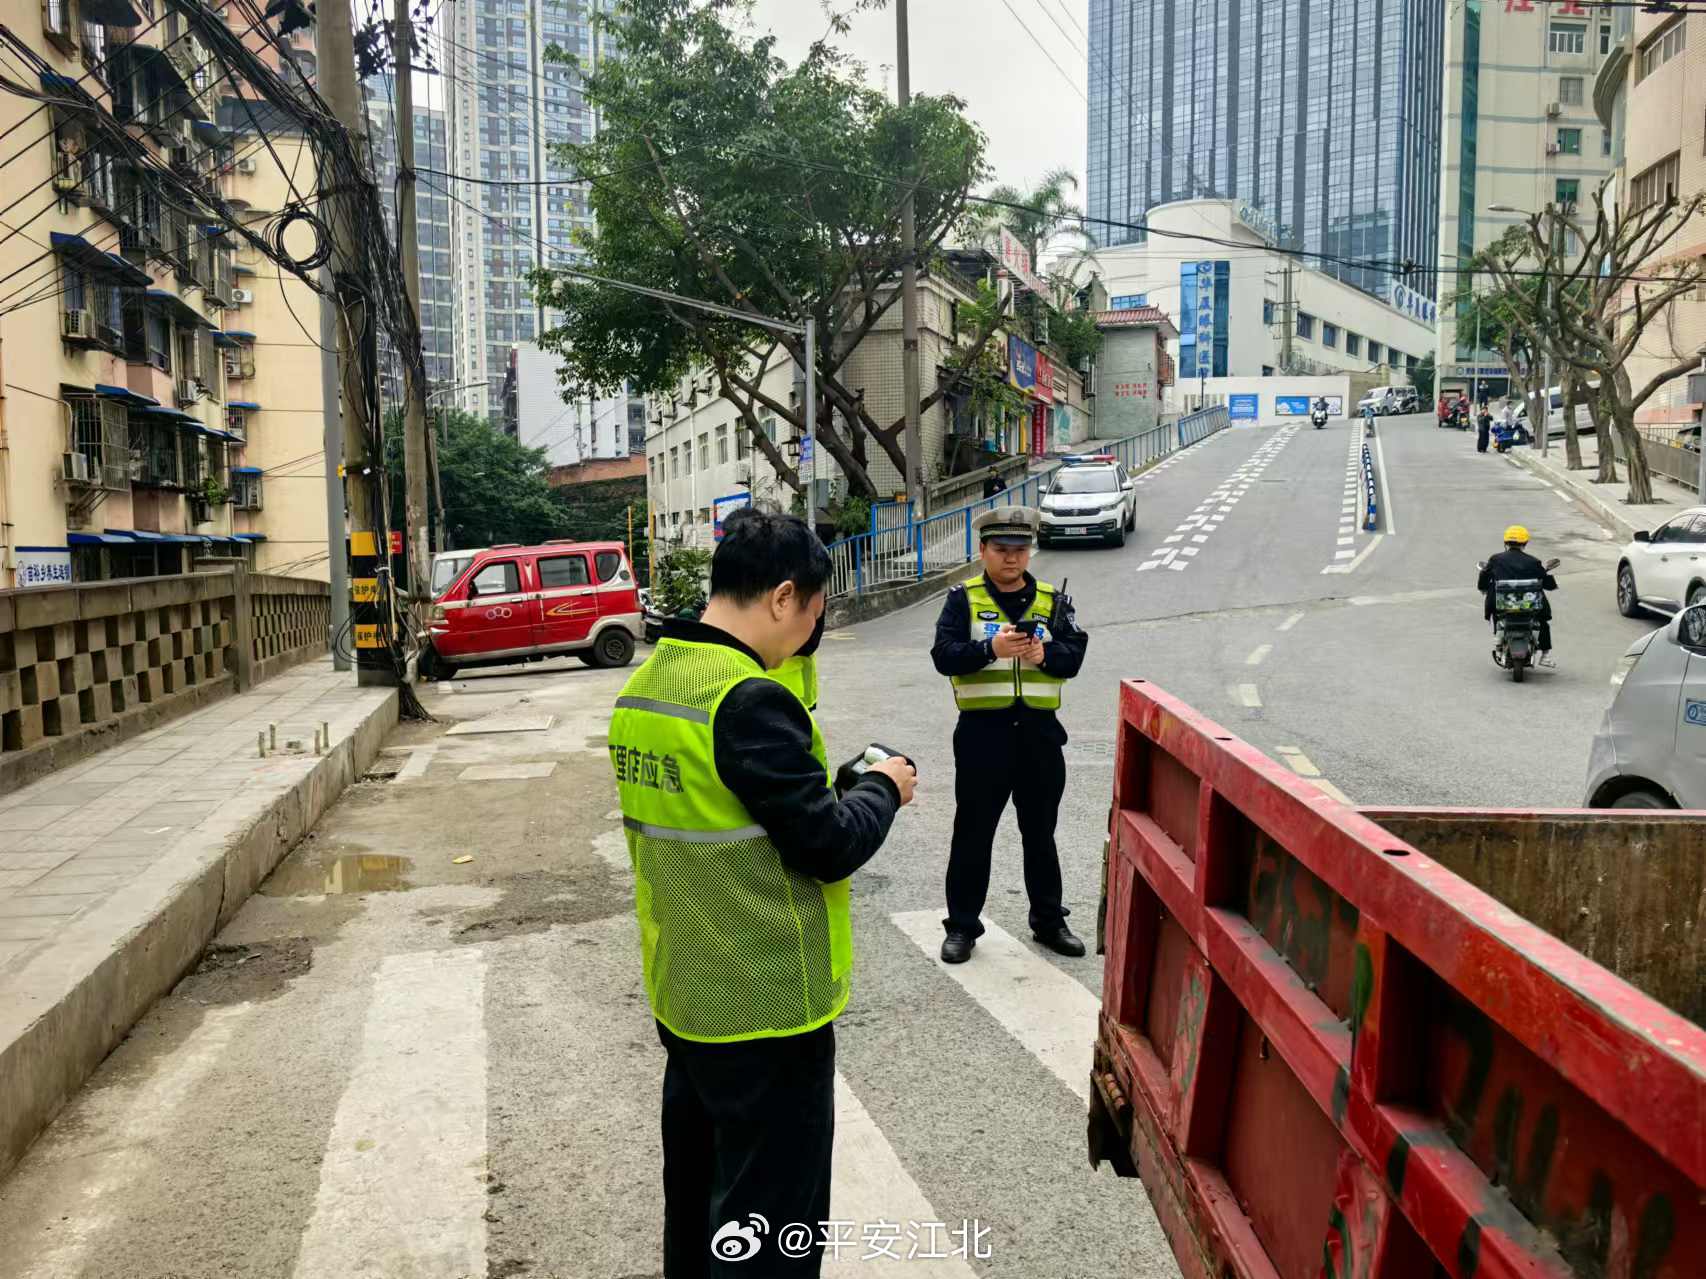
column 1089, row 498
column 1665, row 569
column 1379, row 400
column 1650, row 751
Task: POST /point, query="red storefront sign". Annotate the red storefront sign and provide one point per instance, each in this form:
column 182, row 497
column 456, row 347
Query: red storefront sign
column 1044, row 389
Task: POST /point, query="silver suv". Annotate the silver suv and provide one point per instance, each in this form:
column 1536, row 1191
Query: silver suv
column 1650, row 751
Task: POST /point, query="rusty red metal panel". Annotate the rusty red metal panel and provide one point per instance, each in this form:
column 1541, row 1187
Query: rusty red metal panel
column 1343, row 1060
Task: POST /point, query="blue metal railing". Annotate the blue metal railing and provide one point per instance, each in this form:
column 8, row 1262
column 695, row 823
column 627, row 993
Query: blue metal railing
column 899, row 548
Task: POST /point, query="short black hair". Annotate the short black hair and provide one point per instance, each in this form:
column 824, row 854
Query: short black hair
column 760, row 551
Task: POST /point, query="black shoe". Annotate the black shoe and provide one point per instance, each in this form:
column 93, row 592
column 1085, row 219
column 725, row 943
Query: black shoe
column 956, row 948
column 1060, row 940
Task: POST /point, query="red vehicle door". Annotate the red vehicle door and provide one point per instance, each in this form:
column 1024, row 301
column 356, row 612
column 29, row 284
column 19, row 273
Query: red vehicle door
column 618, row 593
column 568, row 603
column 492, row 614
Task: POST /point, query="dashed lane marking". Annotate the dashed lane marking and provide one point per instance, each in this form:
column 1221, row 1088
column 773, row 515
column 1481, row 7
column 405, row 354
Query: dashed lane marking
column 1259, row 656
column 1291, row 621
column 1298, row 761
column 1244, row 695
column 1214, row 508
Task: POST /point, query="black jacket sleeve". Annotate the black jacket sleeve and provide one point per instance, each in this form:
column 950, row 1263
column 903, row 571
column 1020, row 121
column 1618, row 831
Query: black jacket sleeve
column 1063, row 655
column 955, row 652
column 762, row 739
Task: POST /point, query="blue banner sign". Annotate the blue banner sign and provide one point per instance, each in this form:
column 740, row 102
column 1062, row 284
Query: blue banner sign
column 1241, row 408
column 1021, row 364
column 1291, row 405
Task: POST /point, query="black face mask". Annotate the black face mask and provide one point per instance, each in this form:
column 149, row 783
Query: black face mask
column 810, row 646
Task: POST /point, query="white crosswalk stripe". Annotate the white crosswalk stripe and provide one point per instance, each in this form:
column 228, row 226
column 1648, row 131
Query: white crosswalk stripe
column 403, row 1185
column 1219, row 504
column 1047, row 1011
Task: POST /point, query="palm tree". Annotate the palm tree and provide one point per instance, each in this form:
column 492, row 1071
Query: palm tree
column 1036, row 218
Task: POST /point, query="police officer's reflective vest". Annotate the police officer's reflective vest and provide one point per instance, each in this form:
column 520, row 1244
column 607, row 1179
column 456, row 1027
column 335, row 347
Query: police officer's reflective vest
column 736, row 945
column 800, row 675
column 1005, row 682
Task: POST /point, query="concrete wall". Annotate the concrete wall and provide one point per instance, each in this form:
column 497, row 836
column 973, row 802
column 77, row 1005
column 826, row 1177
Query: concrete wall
column 1270, row 390
column 1128, row 391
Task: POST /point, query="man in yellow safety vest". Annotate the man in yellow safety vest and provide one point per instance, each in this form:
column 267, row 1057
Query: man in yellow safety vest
column 742, row 853
column 1007, row 643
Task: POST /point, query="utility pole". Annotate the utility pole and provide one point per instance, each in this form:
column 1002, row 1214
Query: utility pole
column 908, row 282
column 370, row 624
column 332, row 447
column 1286, row 323
column 419, row 558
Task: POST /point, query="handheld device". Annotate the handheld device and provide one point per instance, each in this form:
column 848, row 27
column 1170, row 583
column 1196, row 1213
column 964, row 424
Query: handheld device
column 849, row 774
column 1027, row 627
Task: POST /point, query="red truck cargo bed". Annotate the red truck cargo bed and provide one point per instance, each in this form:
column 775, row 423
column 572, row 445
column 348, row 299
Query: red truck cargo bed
column 1328, row 1055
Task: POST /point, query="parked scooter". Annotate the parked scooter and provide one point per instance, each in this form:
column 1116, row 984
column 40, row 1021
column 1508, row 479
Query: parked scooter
column 1518, row 610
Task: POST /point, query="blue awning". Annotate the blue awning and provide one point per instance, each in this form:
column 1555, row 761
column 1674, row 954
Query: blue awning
column 213, row 230
column 133, row 398
column 214, row 434
column 97, row 539
column 209, row 131
column 250, row 405
column 242, row 335
column 222, row 338
column 220, row 539
column 79, row 250
column 251, row 537
column 145, row 535
column 180, row 307
column 245, row 470
column 196, row 538
column 238, row 267
column 165, row 414
column 59, row 84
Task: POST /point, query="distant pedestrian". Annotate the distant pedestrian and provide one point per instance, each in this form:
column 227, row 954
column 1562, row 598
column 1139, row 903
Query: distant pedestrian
column 993, row 484
column 1483, row 428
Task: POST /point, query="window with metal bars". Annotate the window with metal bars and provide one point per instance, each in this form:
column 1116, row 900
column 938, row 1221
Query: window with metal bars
column 56, row 21
column 98, row 429
column 246, row 492
column 154, row 454
column 191, row 468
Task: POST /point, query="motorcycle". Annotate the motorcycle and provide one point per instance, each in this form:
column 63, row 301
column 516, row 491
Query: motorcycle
column 1505, row 435
column 1519, row 606
column 1319, row 417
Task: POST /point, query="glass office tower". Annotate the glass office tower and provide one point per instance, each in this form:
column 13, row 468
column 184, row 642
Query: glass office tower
column 1322, row 114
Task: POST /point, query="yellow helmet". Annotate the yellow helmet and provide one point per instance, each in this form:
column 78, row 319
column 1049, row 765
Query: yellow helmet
column 1518, row 534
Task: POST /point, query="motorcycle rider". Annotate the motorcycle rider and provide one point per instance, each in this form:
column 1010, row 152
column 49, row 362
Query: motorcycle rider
column 1319, row 409
column 1515, row 564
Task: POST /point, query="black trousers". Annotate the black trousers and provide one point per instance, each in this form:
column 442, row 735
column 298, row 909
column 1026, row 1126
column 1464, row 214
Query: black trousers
column 1482, row 433
column 747, row 1128
column 999, row 755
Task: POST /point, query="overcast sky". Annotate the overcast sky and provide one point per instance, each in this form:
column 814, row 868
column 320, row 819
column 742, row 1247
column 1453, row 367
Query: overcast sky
column 992, row 53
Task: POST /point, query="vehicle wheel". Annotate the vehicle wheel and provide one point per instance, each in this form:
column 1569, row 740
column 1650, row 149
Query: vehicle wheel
column 613, row 648
column 1131, row 521
column 1628, row 602
column 1517, row 668
column 1697, row 594
column 1118, row 539
column 586, row 659
column 1642, row 799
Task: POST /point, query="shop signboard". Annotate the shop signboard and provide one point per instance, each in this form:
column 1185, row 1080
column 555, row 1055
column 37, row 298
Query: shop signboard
column 1241, row 408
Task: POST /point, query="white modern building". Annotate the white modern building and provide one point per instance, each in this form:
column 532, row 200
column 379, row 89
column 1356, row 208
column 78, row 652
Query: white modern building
column 1246, row 309
column 1520, row 133
column 571, row 429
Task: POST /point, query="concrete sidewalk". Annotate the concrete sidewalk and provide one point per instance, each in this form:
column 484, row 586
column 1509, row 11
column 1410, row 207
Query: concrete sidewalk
column 115, row 873
column 1605, row 501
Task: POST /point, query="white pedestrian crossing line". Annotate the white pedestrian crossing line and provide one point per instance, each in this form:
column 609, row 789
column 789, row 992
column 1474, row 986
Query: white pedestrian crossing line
column 869, row 1185
column 1245, row 695
column 1219, row 504
column 1048, row 1012
column 404, row 1173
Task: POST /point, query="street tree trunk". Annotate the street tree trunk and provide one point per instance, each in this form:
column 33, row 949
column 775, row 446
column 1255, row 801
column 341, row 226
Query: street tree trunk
column 1634, row 450
column 1572, row 445
column 1602, row 439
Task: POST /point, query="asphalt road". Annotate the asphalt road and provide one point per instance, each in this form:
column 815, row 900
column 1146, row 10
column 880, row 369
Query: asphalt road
column 399, row 1065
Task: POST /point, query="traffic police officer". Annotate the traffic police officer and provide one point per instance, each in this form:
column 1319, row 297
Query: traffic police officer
column 1007, row 643
column 742, row 853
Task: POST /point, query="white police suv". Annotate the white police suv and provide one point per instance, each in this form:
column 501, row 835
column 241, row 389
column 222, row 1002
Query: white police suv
column 1089, row 498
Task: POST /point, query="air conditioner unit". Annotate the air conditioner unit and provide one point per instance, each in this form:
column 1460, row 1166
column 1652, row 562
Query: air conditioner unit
column 77, row 324
column 1554, row 109
column 66, row 182
column 188, row 392
column 136, row 466
column 241, row 296
column 1551, row 148
column 76, row 468
column 246, row 164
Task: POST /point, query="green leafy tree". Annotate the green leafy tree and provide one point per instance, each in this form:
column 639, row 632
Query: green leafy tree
column 494, row 487
column 1038, row 218
column 721, row 173
column 1423, row 377
column 680, row 583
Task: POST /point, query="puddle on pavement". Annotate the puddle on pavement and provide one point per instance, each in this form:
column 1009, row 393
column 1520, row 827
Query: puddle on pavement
column 351, row 873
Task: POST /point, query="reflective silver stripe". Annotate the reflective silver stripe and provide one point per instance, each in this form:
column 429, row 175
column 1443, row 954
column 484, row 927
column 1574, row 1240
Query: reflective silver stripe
column 693, row 836
column 690, row 713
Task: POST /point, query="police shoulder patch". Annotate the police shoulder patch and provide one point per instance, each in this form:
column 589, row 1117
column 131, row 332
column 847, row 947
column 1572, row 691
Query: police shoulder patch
column 988, row 615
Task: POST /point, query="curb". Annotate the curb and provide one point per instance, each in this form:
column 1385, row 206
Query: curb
column 1604, row 511
column 72, row 1003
